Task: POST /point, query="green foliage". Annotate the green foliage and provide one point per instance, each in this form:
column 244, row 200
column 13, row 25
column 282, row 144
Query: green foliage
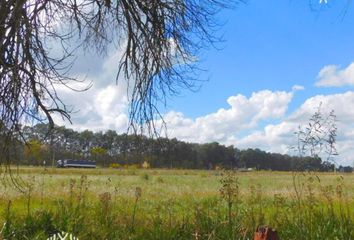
column 229, row 191
column 145, row 176
column 159, row 179
column 33, row 152
column 99, row 154
column 109, row 148
column 98, row 151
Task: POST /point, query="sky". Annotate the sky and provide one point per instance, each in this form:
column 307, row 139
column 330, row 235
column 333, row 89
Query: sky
column 279, row 60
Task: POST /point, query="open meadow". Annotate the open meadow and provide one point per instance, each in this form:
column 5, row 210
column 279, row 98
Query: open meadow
column 175, row 204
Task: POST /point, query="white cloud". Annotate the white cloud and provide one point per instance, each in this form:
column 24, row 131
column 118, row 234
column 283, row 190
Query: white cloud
column 278, row 137
column 244, row 113
column 104, row 105
column 240, row 124
column 275, row 138
column 333, row 76
column 297, row 88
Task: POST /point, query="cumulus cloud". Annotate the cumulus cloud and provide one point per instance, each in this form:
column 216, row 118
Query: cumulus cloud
column 243, row 113
column 334, row 76
column 279, row 137
column 104, row 105
column 246, row 123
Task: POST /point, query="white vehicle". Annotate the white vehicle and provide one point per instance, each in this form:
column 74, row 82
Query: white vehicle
column 67, row 163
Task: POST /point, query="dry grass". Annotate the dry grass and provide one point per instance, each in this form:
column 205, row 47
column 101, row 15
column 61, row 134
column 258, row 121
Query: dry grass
column 161, row 183
column 178, row 202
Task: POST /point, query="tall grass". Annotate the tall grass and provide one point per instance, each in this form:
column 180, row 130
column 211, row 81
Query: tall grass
column 310, row 209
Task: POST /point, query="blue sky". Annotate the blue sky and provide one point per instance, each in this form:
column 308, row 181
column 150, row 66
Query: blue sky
column 279, row 60
column 272, row 45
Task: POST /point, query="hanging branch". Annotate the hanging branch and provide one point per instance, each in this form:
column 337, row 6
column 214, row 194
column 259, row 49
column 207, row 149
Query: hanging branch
column 160, row 41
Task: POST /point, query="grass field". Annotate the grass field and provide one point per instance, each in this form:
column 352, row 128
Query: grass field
column 176, row 204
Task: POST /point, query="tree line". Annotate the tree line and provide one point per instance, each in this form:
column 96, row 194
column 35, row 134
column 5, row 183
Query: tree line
column 39, row 147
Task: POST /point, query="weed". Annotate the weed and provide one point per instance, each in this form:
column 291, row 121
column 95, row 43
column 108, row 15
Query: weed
column 229, row 191
column 138, row 192
column 159, row 179
column 230, row 206
column 145, row 176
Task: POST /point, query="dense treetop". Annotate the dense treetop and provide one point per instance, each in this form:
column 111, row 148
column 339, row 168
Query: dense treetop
column 109, row 148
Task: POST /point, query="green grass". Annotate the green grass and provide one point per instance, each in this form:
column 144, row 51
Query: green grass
column 176, row 204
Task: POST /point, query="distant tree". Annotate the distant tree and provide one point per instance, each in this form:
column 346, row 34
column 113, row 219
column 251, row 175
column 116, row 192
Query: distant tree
column 213, row 154
column 111, row 147
column 346, row 169
column 99, row 154
column 109, row 142
column 33, row 152
column 86, row 139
